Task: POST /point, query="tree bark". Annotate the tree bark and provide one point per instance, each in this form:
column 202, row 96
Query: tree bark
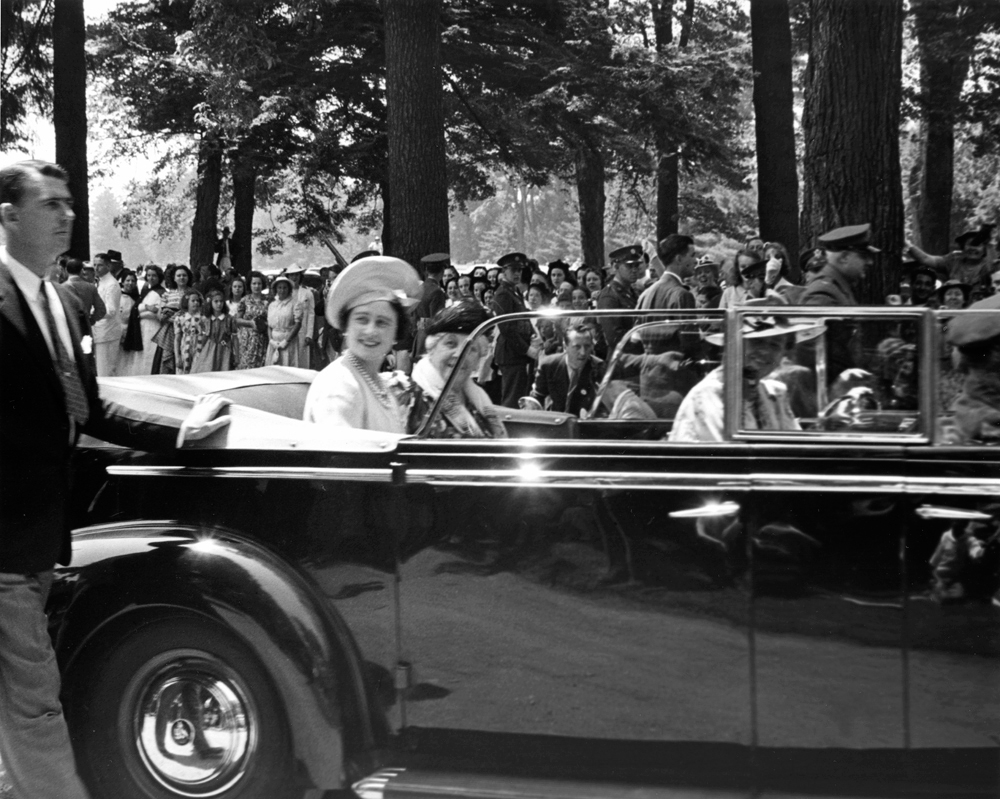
column 944, row 63
column 590, row 191
column 851, row 126
column 667, row 159
column 418, row 179
column 69, row 113
column 244, row 204
column 204, row 229
column 774, row 123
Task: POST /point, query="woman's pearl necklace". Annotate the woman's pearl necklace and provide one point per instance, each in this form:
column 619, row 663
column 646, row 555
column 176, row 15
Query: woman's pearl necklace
column 371, row 380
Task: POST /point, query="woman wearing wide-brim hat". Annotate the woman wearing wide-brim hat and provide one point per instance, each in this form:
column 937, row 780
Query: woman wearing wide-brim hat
column 367, row 303
column 954, row 295
column 284, row 320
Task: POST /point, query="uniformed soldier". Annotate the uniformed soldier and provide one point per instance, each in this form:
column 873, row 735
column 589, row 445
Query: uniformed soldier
column 513, row 338
column 848, row 255
column 626, row 264
column 432, row 298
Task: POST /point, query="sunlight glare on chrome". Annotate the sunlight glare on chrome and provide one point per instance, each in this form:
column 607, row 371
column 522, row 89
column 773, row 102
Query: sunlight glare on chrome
column 711, row 509
column 206, row 544
column 529, row 470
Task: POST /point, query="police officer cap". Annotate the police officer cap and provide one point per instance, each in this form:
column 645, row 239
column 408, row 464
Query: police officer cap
column 706, row 260
column 517, row 259
column 977, row 238
column 377, row 277
column 976, row 328
column 852, row 237
column 436, row 258
column 626, row 255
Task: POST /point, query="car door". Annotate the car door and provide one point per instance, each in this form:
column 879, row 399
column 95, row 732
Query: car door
column 584, row 607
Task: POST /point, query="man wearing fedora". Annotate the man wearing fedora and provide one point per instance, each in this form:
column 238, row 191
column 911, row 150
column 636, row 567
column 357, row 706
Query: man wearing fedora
column 970, row 263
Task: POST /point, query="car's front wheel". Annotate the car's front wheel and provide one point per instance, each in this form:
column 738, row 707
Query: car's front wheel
column 180, row 707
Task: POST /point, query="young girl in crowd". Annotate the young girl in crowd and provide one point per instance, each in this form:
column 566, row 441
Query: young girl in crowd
column 190, row 329
column 219, row 350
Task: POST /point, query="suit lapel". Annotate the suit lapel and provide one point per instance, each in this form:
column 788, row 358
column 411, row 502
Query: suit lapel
column 14, row 307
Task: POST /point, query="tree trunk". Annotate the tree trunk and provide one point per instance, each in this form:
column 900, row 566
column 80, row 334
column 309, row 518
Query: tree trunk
column 851, row 126
column 667, row 160
column 774, row 122
column 204, row 229
column 69, row 113
column 590, row 192
column 418, row 179
column 244, row 204
column 944, row 64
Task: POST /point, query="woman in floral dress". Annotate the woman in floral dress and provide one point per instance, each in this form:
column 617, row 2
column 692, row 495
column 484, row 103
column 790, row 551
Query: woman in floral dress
column 251, row 324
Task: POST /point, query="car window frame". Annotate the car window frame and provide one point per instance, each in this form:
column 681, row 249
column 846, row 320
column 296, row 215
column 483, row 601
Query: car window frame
column 925, row 433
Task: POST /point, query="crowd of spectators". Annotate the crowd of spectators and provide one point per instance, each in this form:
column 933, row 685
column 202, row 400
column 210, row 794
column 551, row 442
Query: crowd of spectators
column 171, row 320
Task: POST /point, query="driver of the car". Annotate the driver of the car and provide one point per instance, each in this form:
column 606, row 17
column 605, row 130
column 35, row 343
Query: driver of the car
column 765, row 402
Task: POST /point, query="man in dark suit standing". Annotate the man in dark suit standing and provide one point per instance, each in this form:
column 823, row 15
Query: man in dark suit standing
column 84, row 291
column 569, row 379
column 47, row 393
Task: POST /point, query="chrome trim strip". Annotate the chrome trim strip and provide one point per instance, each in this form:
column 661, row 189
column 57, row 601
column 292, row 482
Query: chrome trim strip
column 532, row 475
column 529, row 476
column 255, row 472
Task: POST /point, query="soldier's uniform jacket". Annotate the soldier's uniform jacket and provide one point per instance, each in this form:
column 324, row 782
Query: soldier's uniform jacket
column 513, row 338
column 619, row 296
column 843, row 347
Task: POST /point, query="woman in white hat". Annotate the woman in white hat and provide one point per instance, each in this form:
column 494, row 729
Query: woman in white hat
column 367, row 303
column 765, row 401
column 284, row 320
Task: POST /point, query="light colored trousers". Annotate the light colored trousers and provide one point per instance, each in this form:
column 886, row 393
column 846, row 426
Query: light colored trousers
column 107, row 353
column 34, row 742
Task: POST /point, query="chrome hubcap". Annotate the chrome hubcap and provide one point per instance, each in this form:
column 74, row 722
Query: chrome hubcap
column 194, row 724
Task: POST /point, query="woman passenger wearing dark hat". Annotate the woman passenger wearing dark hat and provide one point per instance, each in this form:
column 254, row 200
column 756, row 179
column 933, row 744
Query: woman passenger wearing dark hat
column 367, row 304
column 467, row 411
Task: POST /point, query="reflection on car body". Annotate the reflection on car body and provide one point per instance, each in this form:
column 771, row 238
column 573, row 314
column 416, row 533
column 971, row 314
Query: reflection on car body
column 584, row 602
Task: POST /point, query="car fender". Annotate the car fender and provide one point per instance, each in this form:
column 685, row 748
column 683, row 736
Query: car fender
column 125, row 571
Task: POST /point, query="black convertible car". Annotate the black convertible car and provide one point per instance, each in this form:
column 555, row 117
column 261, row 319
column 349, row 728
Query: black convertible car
column 602, row 604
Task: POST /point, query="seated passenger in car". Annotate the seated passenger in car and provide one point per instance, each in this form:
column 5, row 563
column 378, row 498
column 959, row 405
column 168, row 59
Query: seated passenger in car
column 567, row 381
column 367, row 302
column 977, row 407
column 466, row 411
column 765, row 402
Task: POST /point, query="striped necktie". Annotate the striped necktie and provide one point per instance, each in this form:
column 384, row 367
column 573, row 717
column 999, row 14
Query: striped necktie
column 65, row 363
